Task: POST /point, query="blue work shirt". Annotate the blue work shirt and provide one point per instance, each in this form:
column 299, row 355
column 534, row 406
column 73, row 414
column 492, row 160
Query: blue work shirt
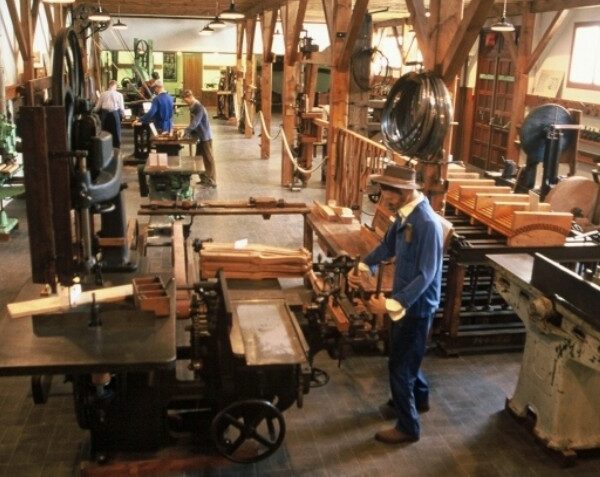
column 161, row 112
column 199, row 125
column 417, row 245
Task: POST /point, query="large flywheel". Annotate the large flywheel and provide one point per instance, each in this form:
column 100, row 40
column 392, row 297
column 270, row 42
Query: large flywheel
column 67, row 74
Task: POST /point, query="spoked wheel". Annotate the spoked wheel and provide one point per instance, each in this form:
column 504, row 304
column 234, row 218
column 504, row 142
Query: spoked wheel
column 67, row 74
column 248, row 431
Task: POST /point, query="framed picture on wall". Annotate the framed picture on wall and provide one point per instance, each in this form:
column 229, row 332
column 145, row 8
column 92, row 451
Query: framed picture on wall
column 170, row 66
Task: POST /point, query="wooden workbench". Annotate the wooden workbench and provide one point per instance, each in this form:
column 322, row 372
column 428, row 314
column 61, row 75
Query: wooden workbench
column 351, row 239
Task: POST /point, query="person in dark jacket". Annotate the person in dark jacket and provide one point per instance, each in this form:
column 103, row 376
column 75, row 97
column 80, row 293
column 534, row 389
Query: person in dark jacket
column 199, row 128
column 415, row 239
column 161, row 111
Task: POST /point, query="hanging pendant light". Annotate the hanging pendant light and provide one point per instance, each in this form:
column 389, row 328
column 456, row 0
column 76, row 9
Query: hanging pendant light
column 119, row 25
column 63, row 2
column 217, row 23
column 232, row 13
column 503, row 24
column 99, row 14
column 206, row 31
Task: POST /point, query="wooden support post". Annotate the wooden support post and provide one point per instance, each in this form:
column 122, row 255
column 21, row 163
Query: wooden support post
column 239, row 71
column 339, row 89
column 416, row 9
column 356, row 25
column 292, row 17
column 359, row 99
column 268, row 22
column 521, row 80
column 249, row 86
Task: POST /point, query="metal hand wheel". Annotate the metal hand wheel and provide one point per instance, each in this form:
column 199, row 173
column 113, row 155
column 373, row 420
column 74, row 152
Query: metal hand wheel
column 248, row 431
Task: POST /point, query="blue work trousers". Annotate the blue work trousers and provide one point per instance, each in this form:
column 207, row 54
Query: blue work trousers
column 408, row 342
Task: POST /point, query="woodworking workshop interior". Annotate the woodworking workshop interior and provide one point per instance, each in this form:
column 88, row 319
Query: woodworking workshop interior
column 300, row 238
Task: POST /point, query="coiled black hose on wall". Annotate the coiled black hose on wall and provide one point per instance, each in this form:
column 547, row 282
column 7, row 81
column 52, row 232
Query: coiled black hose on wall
column 416, row 115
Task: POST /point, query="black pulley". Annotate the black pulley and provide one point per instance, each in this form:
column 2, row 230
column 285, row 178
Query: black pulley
column 416, row 115
column 537, row 125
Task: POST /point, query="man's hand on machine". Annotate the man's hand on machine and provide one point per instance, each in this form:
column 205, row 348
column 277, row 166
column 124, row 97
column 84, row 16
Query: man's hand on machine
column 378, row 305
column 355, row 279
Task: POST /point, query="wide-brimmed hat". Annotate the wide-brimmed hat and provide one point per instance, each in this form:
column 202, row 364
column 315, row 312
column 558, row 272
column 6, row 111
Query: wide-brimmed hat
column 399, row 177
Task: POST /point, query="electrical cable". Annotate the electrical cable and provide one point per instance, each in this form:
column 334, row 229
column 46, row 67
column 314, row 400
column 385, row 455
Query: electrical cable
column 416, row 115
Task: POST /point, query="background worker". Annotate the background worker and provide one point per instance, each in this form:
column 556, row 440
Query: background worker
column 148, row 88
column 111, row 108
column 415, row 239
column 161, row 111
column 199, row 128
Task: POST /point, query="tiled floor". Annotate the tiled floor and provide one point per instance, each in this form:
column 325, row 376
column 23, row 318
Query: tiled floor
column 466, row 433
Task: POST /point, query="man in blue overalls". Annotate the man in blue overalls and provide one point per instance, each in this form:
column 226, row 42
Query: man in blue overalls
column 415, row 240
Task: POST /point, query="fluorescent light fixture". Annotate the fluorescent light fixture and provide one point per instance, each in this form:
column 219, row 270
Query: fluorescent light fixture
column 232, row 13
column 206, row 31
column 503, row 24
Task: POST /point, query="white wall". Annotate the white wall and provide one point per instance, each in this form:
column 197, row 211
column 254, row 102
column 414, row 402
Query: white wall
column 557, row 54
column 182, row 35
column 11, row 58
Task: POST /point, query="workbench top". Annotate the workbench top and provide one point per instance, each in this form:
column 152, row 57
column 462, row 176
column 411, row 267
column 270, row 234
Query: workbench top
column 185, row 165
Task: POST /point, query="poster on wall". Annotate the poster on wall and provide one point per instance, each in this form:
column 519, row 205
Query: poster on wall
column 548, row 83
column 170, row 66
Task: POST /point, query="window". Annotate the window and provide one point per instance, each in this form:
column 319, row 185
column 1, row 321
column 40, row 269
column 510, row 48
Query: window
column 584, row 69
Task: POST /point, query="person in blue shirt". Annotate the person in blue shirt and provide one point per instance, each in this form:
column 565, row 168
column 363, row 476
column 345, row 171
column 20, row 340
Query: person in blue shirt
column 199, row 128
column 161, row 111
column 415, row 239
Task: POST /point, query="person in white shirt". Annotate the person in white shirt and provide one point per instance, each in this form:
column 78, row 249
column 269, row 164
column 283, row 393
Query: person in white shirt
column 111, row 108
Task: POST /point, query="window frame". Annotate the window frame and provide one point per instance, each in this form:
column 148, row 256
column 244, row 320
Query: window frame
column 573, row 84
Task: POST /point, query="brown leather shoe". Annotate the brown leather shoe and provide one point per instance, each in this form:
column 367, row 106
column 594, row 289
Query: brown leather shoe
column 394, row 436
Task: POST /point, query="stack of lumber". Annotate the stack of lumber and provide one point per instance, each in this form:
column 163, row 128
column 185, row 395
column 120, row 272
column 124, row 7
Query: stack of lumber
column 254, row 262
column 157, row 162
column 332, row 212
column 9, row 168
column 519, row 217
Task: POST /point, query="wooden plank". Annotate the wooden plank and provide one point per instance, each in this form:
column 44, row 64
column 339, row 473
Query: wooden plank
column 550, row 32
column 28, row 32
column 59, row 303
column 475, row 16
column 266, row 91
column 356, row 21
column 239, row 40
column 249, row 86
column 179, row 259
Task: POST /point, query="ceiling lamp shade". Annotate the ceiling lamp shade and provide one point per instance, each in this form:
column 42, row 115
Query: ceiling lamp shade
column 58, row 1
column 503, row 24
column 217, row 23
column 206, row 31
column 99, row 15
column 232, row 13
column 119, row 25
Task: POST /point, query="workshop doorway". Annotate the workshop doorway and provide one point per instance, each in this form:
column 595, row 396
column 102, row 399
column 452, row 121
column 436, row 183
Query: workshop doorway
column 192, row 72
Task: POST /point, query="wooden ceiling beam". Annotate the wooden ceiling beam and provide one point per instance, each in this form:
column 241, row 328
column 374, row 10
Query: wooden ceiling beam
column 540, row 6
column 328, row 11
column 356, row 21
column 268, row 23
column 239, row 40
column 292, row 17
column 250, row 34
column 475, row 16
column 550, row 32
column 416, row 9
column 50, row 18
column 18, row 29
